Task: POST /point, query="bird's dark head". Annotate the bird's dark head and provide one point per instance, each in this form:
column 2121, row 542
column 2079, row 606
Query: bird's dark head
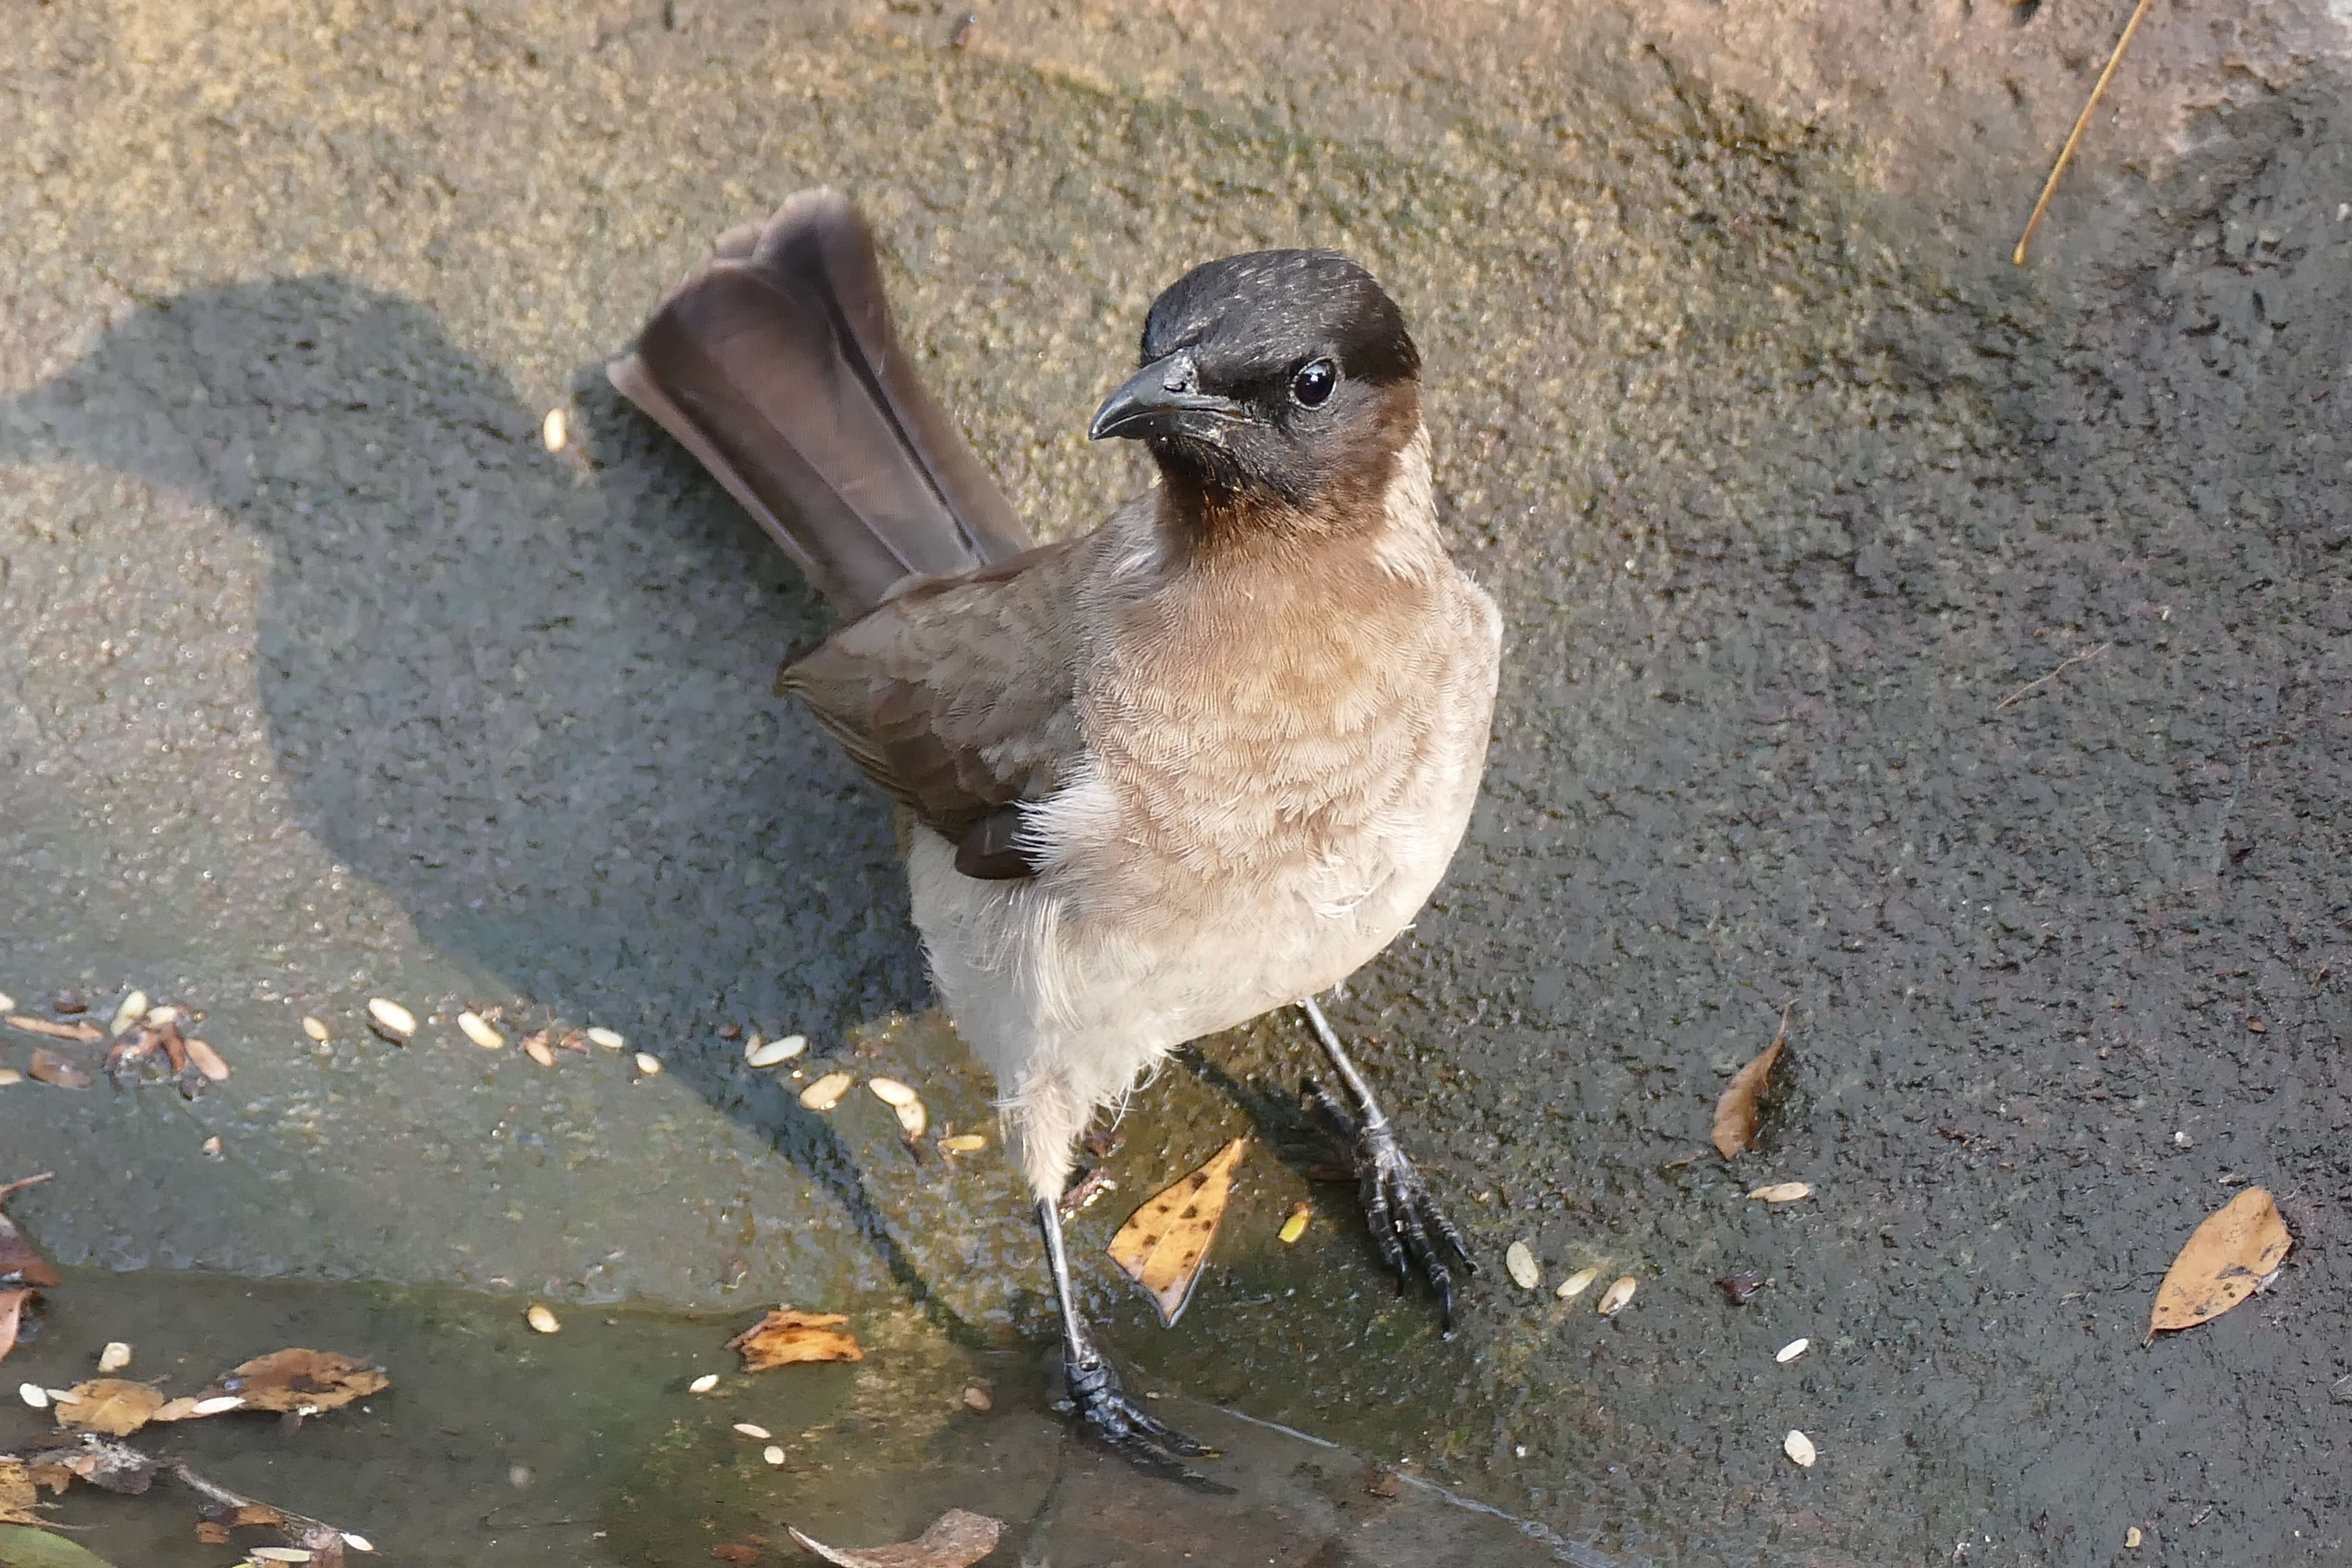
column 1281, row 376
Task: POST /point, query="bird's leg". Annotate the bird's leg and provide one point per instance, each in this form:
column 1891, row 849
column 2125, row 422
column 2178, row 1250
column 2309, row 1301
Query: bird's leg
column 1102, row 1406
column 1406, row 1223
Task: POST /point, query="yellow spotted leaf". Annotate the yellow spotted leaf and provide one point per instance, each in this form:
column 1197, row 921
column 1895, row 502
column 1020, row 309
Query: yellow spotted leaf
column 1164, row 1244
column 114, row 1406
column 2231, row 1256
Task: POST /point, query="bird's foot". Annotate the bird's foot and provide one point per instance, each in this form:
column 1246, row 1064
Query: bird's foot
column 1125, row 1427
column 1409, row 1229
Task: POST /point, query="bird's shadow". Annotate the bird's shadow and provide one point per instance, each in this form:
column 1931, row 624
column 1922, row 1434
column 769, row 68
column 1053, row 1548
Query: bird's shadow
column 525, row 692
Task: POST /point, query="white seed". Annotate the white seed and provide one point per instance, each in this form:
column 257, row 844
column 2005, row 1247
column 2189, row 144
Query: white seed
column 314, row 1028
column 392, row 1017
column 767, row 1053
column 703, row 1385
column 7, row 1003
column 207, row 1060
column 1521, row 1262
column 1791, row 1351
column 543, row 1320
column 211, row 1145
column 772, row 1453
column 358, row 1543
column 648, row 1064
column 159, row 1016
column 1578, row 1283
column 890, row 1091
column 114, row 1357
column 33, row 1394
column 133, row 1008
column 535, row 1047
column 1783, row 1192
column 279, row 1554
column 218, row 1405
column 760, row 1434
column 611, row 1040
column 9, row 1076
column 1799, row 1448
column 827, row 1092
column 1613, row 1299
column 482, row 1031
column 913, row 1119
column 555, row 429
column 964, row 1144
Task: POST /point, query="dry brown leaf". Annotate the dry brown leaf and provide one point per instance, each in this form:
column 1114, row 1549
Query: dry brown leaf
column 1163, row 1245
column 785, row 1336
column 958, row 1540
column 12, row 1316
column 79, row 1034
column 2231, row 1256
column 211, row 1535
column 50, row 1067
column 114, row 1406
column 1736, row 1109
column 296, row 1379
column 17, row 1493
column 737, row 1552
column 19, row 1264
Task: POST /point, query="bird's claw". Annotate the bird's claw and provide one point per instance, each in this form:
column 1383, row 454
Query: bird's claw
column 1409, row 1231
column 1127, row 1429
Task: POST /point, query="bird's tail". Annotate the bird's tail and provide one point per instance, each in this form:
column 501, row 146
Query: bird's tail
column 776, row 365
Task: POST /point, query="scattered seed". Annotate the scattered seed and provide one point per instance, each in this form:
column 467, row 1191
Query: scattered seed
column 1521, row 1262
column 1799, row 1448
column 767, row 1053
column 535, row 1047
column 1791, row 1351
column 542, row 1320
column 913, row 1119
column 314, row 1028
column 611, row 1040
column 480, row 1030
column 208, row 1060
column 80, row 1034
column 218, row 1405
column 133, row 1008
column 390, row 1019
column 827, row 1092
column 159, row 1016
column 114, row 1357
column 648, row 1064
column 731, row 1031
column 760, row 1434
column 1296, row 1225
column 7, row 1003
column 772, row 1453
column 9, row 1076
column 1783, row 1192
column 1613, row 1299
column 33, row 1394
column 68, row 1003
column 555, row 429
column 1578, row 1283
column 279, row 1554
column 890, row 1091
column 2132, row 1538
column 964, row 1144
column 211, row 1146
column 977, row 1398
column 573, row 1040
column 358, row 1543
column 703, row 1385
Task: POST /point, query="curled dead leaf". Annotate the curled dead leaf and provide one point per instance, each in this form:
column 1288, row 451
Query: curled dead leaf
column 1736, row 1111
column 1164, row 1245
column 18, row 1494
column 79, row 1034
column 958, row 1540
column 291, row 1379
column 2231, row 1256
column 785, row 1336
column 114, row 1406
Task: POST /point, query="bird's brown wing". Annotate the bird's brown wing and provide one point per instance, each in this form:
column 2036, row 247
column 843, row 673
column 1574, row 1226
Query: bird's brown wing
column 956, row 697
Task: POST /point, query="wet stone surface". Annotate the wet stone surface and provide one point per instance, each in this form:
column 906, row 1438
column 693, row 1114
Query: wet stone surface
column 327, row 679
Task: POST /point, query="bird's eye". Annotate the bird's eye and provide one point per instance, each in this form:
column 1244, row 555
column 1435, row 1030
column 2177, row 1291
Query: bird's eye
column 1311, row 387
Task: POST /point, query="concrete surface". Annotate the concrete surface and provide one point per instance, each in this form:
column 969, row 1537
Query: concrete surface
column 327, row 680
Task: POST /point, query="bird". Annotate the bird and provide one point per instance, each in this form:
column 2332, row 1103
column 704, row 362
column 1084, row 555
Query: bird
column 1196, row 765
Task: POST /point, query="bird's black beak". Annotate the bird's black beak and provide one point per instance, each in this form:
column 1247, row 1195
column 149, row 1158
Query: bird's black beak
column 1164, row 398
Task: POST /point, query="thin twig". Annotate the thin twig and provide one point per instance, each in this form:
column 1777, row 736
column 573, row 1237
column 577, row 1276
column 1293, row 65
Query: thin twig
column 324, row 1540
column 2027, row 689
column 23, row 1181
column 2082, row 122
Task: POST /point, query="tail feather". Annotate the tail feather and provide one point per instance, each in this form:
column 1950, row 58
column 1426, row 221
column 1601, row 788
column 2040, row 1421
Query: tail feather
column 776, row 366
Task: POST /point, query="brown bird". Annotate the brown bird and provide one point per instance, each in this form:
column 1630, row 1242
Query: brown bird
column 1201, row 763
